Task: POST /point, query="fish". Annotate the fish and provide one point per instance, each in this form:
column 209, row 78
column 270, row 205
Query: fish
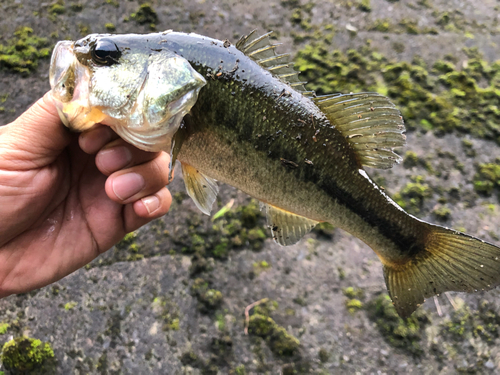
column 239, row 114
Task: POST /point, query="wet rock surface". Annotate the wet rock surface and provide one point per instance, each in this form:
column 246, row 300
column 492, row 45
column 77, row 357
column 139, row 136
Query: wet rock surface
column 171, row 298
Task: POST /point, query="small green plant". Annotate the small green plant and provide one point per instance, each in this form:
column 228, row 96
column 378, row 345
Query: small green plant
column 145, row 15
column 21, row 54
column 70, row 305
column 23, row 354
column 401, row 333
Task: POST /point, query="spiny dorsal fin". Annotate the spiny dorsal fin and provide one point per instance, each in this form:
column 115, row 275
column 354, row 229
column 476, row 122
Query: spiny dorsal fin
column 371, row 123
column 260, row 49
column 202, row 189
column 287, row 228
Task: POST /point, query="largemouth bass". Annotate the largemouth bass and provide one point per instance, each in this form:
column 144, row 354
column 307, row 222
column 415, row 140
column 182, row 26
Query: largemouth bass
column 240, row 115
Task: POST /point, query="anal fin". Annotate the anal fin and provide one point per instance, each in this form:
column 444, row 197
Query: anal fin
column 202, row 189
column 287, row 228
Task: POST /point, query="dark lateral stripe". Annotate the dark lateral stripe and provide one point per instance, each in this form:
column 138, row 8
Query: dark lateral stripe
column 387, row 228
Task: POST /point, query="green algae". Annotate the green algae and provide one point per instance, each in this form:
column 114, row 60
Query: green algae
column 130, row 249
column 487, row 178
column 209, row 299
column 353, row 305
column 70, row 305
column 440, row 97
column 323, row 355
column 261, row 266
column 354, row 297
column 442, row 213
column 145, row 14
column 22, row 53
column 466, row 323
column 4, row 327
column 398, row 332
column 468, row 148
column 364, row 6
column 277, row 338
column 114, row 3
column 76, row 7
column 110, row 26
column 381, row 25
column 239, row 370
column 24, row 354
column 404, row 26
column 168, row 312
column 412, row 195
column 57, row 8
column 233, row 229
column 351, row 292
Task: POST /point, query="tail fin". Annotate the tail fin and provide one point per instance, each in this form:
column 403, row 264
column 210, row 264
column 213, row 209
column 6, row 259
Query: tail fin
column 449, row 261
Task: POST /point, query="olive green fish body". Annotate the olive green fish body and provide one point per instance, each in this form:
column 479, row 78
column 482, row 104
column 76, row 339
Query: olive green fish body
column 239, row 115
column 252, row 131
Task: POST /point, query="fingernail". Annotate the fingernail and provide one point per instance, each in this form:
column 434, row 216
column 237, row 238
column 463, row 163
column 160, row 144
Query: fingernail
column 114, row 158
column 127, row 185
column 151, row 203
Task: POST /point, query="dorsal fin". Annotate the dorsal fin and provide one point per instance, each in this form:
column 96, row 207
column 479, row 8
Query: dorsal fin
column 260, row 49
column 371, row 123
column 286, row 227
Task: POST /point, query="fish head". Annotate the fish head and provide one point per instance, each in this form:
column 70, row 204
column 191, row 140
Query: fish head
column 128, row 82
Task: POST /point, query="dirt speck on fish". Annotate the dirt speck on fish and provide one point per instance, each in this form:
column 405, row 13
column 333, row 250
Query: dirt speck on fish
column 239, row 126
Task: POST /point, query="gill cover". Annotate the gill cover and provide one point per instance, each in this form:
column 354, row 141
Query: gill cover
column 169, row 91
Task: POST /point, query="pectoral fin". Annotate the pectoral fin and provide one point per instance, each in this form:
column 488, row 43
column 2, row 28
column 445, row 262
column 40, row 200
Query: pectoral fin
column 202, row 189
column 286, row 227
column 177, row 141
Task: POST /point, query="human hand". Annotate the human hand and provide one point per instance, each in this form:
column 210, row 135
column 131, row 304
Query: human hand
column 61, row 206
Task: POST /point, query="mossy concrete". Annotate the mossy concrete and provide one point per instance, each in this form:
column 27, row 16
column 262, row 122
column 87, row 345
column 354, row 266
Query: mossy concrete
column 141, row 307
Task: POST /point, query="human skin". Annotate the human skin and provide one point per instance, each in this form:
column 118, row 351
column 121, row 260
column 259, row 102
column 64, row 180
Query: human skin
column 65, row 198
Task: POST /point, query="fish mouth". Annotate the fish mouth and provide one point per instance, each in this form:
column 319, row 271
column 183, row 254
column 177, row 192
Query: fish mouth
column 69, row 82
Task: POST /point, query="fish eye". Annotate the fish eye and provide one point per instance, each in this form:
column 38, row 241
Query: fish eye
column 105, row 52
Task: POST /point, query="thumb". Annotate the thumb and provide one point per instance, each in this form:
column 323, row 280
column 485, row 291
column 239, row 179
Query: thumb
column 36, row 138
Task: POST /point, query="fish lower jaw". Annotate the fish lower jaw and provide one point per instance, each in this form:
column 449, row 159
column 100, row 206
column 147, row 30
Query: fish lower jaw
column 149, row 141
column 79, row 118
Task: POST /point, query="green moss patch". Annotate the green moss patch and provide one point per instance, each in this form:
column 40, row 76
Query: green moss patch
column 279, row 340
column 209, row 299
column 354, row 299
column 129, row 248
column 400, row 333
column 24, row 354
column 235, row 228
column 167, row 311
column 466, row 323
column 4, row 327
column 487, row 178
column 57, row 8
column 412, row 195
column 145, row 14
column 441, row 97
column 442, row 213
column 22, row 53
